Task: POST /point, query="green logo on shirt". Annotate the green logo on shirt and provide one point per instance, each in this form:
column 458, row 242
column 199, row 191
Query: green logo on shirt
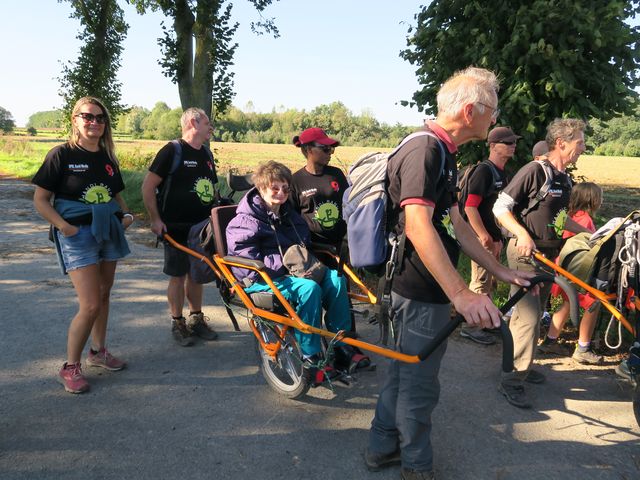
column 96, row 194
column 204, row 190
column 559, row 222
column 327, row 215
column 448, row 225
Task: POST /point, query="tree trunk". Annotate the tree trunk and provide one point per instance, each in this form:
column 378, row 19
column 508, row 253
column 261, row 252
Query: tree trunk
column 184, row 22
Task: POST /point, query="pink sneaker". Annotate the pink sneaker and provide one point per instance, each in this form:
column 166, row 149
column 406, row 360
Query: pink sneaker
column 104, row 359
column 70, row 376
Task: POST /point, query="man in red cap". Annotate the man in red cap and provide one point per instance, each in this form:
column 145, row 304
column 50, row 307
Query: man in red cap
column 479, row 193
column 317, row 188
column 316, row 193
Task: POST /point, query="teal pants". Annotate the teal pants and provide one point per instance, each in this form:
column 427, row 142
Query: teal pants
column 309, row 298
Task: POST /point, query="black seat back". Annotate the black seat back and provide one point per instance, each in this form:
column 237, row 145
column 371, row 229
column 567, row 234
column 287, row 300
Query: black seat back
column 220, row 218
column 239, row 183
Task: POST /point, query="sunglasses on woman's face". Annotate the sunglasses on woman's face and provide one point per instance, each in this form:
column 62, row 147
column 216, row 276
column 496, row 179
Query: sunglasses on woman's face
column 326, row 148
column 90, row 117
column 284, row 189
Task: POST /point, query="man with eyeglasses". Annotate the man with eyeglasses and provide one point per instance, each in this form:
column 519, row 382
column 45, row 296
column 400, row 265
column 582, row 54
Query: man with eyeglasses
column 480, row 190
column 423, row 201
column 190, row 195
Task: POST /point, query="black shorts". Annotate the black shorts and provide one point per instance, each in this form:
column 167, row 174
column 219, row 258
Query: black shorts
column 176, row 262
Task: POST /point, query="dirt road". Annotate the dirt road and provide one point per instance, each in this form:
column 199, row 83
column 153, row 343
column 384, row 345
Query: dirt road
column 205, row 412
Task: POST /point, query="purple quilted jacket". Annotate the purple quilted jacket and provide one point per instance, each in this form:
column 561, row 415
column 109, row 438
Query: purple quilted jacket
column 250, row 234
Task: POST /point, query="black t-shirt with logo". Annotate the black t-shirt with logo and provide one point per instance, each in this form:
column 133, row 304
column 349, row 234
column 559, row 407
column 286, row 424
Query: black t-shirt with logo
column 318, row 198
column 481, row 182
column 415, row 172
column 79, row 175
column 546, row 221
column 192, row 194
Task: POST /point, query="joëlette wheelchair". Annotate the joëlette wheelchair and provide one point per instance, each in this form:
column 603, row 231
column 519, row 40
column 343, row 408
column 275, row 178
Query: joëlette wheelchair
column 616, row 270
column 272, row 318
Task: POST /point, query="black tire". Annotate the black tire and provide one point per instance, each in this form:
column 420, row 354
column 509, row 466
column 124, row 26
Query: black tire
column 286, row 374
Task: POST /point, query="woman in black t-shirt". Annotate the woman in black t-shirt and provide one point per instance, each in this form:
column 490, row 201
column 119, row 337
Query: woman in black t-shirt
column 83, row 179
column 317, row 188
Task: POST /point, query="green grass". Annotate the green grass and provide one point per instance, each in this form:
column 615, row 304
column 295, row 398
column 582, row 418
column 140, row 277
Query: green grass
column 21, row 155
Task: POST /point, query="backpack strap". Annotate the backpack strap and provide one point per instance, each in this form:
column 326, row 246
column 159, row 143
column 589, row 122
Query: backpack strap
column 398, row 248
column 544, row 190
column 166, row 183
column 494, row 171
column 420, row 134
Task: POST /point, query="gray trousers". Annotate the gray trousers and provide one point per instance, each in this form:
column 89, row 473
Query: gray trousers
column 525, row 321
column 411, row 390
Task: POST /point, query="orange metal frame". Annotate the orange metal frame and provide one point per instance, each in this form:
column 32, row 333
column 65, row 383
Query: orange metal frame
column 604, row 298
column 222, row 268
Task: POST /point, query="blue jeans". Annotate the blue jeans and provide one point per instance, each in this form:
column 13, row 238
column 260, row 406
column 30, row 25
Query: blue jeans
column 411, row 390
column 308, row 298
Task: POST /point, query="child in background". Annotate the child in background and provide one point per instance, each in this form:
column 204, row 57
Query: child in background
column 586, row 199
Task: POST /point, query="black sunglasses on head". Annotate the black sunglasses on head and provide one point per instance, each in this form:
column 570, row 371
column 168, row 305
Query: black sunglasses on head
column 507, row 143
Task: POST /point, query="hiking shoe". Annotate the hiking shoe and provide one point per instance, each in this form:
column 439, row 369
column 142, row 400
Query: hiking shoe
column 534, row 376
column 585, row 356
column 71, row 378
column 316, row 370
column 377, row 461
column 406, row 474
column 623, row 371
column 515, row 395
column 476, row 334
column 199, row 327
column 550, row 346
column 104, row 359
column 350, row 359
column 180, row 332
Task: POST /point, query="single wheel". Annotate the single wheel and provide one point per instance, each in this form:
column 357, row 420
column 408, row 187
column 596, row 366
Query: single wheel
column 286, row 374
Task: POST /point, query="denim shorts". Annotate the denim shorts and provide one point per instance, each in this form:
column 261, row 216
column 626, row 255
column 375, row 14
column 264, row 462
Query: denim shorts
column 82, row 249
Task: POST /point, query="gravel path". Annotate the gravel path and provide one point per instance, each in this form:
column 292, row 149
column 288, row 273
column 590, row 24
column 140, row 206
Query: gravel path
column 206, row 413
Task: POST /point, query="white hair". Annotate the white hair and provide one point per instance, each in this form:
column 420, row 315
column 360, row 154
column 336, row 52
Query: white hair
column 471, row 85
column 191, row 113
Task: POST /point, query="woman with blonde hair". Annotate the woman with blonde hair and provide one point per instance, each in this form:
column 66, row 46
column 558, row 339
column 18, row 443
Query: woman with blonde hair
column 78, row 192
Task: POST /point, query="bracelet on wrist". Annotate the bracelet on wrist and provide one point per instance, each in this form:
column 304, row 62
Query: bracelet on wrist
column 128, row 215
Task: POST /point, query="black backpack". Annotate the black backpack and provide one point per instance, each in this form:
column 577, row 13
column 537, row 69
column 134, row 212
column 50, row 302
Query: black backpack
column 463, row 183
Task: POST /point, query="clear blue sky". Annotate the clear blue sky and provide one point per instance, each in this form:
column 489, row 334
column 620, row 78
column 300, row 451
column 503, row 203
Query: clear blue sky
column 329, row 50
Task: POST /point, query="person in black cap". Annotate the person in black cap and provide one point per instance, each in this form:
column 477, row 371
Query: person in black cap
column 317, row 188
column 540, row 150
column 480, row 191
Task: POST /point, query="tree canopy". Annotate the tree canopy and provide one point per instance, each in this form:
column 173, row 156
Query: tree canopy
column 203, row 75
column 237, row 125
column 7, row 124
column 574, row 58
column 95, row 71
column 47, row 119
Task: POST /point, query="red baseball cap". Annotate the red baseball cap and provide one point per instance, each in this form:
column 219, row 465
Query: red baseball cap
column 314, row 135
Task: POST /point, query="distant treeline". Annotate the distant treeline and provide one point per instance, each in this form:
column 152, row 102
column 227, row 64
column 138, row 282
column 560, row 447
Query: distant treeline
column 235, row 125
column 619, row 136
